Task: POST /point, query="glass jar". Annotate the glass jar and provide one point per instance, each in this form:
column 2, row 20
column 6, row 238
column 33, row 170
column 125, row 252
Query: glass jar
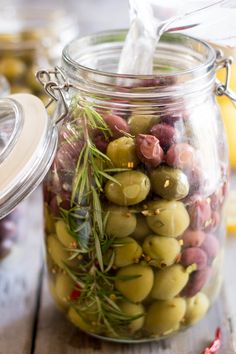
column 134, row 198
column 32, row 35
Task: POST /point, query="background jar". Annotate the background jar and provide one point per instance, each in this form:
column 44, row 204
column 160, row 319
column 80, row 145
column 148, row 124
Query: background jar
column 32, row 35
column 134, row 198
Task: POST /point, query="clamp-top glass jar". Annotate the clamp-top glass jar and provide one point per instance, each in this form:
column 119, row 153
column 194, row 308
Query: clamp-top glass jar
column 134, row 198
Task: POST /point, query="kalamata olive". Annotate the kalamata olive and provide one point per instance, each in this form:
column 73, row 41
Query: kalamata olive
column 127, row 251
column 162, row 251
column 133, row 310
column 122, row 153
column 131, row 188
column 5, row 248
column 167, row 218
column 196, row 282
column 181, row 156
column 117, row 125
column 63, row 234
column 164, row 317
column 7, row 229
column 211, row 246
column 142, row 229
column 169, row 282
column 197, row 307
column 193, row 238
column 12, row 68
column 100, row 140
column 194, row 255
column 169, row 183
column 148, row 150
column 134, row 282
column 200, row 214
column 166, row 134
column 141, row 124
column 120, row 222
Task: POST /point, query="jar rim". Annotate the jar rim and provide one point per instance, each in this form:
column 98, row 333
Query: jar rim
column 71, row 63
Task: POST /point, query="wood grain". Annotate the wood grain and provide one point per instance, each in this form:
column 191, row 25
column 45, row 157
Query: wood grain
column 19, row 282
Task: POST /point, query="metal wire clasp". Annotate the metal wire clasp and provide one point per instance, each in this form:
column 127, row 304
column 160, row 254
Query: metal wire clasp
column 56, row 86
column 223, row 88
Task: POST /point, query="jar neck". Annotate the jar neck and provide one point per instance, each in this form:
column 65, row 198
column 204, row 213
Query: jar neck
column 183, row 67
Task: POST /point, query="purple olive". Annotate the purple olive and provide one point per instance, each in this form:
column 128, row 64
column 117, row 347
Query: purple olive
column 210, row 246
column 7, row 229
column 117, row 125
column 213, row 223
column 181, row 156
column 172, row 117
column 148, row 150
column 166, row 134
column 100, row 140
column 194, row 255
column 193, row 238
column 200, row 214
column 68, row 154
column 196, row 180
column 196, row 282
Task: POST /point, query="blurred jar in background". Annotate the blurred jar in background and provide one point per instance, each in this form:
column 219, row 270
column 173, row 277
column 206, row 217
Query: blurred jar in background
column 32, row 35
column 10, row 224
column 227, row 107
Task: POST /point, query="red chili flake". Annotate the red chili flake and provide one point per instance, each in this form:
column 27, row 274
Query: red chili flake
column 215, row 345
column 75, row 294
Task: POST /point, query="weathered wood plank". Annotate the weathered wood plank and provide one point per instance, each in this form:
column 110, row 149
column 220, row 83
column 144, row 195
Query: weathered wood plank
column 19, row 281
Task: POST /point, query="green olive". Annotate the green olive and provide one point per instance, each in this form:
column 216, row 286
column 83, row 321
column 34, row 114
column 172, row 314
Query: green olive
column 83, row 320
column 32, row 81
column 63, row 235
column 162, row 251
column 169, row 282
column 122, row 153
column 141, row 124
column 133, row 310
column 167, row 218
column 135, row 282
column 127, row 251
column 164, row 317
column 197, row 307
column 58, row 253
column 120, row 222
column 48, row 220
column 62, row 305
column 169, row 183
column 12, row 68
column 64, row 285
column 130, row 188
column 142, row 229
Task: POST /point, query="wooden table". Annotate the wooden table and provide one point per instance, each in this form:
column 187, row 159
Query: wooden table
column 30, row 323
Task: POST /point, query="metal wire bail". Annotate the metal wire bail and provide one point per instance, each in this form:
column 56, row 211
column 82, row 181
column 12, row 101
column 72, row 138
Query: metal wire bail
column 56, row 86
column 224, row 88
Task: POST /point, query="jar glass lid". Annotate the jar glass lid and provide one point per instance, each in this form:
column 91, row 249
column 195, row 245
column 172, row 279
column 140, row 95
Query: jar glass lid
column 28, row 141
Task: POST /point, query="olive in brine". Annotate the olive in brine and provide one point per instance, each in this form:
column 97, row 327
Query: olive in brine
column 169, row 183
column 136, row 311
column 85, row 322
column 127, row 251
column 169, row 282
column 122, row 153
column 64, row 286
column 141, row 124
column 130, row 188
column 134, row 282
column 164, row 317
column 63, row 234
column 162, row 251
column 142, row 229
column 120, row 222
column 58, row 252
column 197, row 307
column 167, row 218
